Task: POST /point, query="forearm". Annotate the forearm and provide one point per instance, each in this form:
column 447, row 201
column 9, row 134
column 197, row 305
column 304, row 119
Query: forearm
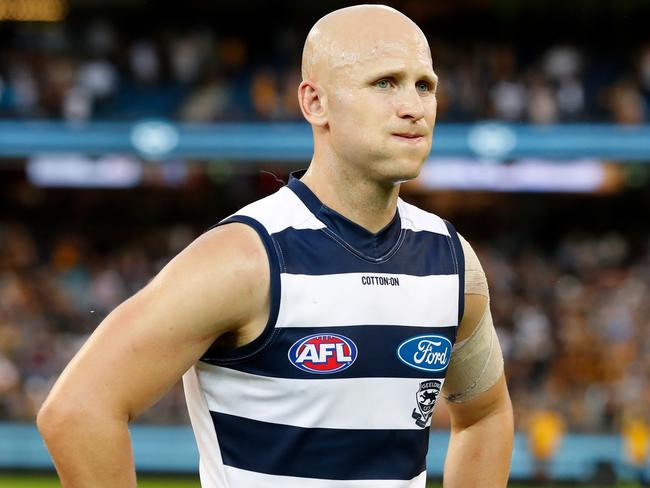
column 479, row 454
column 90, row 451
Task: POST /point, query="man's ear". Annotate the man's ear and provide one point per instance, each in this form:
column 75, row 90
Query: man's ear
column 313, row 103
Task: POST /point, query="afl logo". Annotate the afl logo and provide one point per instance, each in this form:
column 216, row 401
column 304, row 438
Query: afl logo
column 427, row 352
column 323, row 353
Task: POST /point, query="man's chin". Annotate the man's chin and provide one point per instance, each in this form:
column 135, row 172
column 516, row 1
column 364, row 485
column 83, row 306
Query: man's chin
column 391, row 170
column 406, row 171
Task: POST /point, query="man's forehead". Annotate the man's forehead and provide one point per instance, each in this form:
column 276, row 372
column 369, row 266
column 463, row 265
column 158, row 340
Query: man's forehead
column 388, row 51
column 365, row 35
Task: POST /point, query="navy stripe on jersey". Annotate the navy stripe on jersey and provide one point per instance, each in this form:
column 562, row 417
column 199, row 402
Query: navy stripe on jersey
column 376, row 353
column 266, row 336
column 315, row 252
column 459, row 257
column 320, row 453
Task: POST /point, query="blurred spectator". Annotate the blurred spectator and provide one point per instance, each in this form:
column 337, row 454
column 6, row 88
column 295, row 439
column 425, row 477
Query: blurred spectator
column 625, row 102
column 187, row 56
column 144, row 62
column 265, row 94
column 541, row 102
column 22, row 90
column 98, row 77
column 208, row 102
column 77, row 105
column 562, row 62
column 636, row 445
column 509, row 100
column 570, row 99
column 544, row 434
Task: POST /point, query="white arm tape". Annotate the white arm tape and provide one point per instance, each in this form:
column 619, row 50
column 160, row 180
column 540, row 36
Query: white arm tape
column 476, row 362
column 475, row 280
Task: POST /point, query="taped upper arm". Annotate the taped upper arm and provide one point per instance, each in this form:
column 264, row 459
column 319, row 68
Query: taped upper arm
column 475, row 279
column 476, row 362
column 476, row 292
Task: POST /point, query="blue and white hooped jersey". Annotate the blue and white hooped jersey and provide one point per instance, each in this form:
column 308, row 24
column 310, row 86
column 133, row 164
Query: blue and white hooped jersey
column 338, row 390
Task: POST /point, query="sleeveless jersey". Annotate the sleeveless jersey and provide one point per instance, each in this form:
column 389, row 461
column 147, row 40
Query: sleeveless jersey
column 338, row 390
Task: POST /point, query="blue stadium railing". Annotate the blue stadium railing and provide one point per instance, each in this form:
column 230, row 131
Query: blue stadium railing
column 172, row 449
column 157, row 139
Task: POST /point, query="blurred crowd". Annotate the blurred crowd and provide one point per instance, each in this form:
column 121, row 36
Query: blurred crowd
column 99, row 73
column 572, row 319
column 54, row 292
column 573, row 327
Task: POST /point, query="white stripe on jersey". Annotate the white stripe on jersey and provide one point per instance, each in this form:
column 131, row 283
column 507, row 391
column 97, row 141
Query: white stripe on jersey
column 280, row 211
column 334, row 402
column 416, row 219
column 241, row 478
column 210, row 463
column 343, row 300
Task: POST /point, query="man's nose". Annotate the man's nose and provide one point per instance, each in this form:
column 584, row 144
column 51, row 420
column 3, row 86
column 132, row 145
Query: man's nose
column 410, row 105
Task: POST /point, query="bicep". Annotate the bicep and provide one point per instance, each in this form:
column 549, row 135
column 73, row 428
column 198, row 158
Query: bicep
column 144, row 346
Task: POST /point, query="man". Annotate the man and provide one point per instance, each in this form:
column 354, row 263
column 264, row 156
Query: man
column 315, row 329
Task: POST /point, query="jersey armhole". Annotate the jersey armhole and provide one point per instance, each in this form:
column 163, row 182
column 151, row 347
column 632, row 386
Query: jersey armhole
column 459, row 257
column 222, row 356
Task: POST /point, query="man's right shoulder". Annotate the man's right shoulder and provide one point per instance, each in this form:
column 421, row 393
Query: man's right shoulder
column 232, row 246
column 220, row 281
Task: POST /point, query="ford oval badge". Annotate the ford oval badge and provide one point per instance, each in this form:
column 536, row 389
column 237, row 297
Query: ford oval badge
column 425, row 352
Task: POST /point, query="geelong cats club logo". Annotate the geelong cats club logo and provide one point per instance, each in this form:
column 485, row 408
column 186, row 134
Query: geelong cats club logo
column 323, row 353
column 426, row 400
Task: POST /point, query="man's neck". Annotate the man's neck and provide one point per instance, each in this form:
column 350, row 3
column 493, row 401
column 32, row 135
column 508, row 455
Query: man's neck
column 364, row 202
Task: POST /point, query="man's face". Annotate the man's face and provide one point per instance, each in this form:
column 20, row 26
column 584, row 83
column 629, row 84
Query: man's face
column 382, row 107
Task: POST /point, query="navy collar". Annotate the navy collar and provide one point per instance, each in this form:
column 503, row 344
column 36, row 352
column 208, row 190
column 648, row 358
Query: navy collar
column 374, row 247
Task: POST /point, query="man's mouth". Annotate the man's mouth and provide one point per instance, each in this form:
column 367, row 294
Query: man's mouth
column 409, row 136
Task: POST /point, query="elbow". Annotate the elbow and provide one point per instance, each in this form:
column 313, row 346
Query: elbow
column 47, row 417
column 62, row 417
column 55, row 417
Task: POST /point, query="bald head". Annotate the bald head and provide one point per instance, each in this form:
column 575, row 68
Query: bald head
column 369, row 93
column 355, row 35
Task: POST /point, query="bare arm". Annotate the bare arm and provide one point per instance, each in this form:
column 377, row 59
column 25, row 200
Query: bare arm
column 482, row 429
column 480, row 447
column 218, row 284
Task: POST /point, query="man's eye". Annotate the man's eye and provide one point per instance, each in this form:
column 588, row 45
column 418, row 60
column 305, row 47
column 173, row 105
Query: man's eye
column 423, row 86
column 383, row 84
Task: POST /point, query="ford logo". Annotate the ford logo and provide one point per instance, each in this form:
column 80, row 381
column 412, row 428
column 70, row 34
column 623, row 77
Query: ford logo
column 323, row 353
column 425, row 352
